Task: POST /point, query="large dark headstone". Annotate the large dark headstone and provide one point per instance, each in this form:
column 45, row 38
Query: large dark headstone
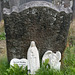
column 37, row 21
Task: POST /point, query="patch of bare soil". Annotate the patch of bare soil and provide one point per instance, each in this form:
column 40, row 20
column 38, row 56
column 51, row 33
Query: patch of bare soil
column 2, row 42
column 2, row 48
column 2, row 26
column 73, row 27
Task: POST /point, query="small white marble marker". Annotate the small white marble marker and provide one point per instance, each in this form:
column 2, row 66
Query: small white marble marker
column 46, row 56
column 20, row 62
column 54, row 59
column 33, row 58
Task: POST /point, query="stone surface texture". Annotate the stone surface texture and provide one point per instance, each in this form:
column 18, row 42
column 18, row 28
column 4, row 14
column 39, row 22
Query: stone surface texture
column 37, row 21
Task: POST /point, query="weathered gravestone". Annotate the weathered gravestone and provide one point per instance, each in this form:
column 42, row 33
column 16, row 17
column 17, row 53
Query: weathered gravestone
column 39, row 21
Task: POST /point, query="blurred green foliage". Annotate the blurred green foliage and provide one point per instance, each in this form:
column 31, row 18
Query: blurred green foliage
column 16, row 70
column 2, row 36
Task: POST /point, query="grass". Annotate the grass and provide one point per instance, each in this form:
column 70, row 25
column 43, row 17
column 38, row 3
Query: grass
column 69, row 61
column 3, row 65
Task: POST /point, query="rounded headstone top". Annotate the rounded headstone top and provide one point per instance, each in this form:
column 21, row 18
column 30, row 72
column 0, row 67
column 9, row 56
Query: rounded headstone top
column 37, row 4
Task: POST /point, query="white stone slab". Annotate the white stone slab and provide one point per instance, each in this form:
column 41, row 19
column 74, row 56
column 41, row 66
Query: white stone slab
column 20, row 62
column 54, row 59
column 33, row 58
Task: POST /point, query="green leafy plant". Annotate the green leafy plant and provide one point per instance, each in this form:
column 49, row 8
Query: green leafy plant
column 46, row 70
column 16, row 70
column 2, row 36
